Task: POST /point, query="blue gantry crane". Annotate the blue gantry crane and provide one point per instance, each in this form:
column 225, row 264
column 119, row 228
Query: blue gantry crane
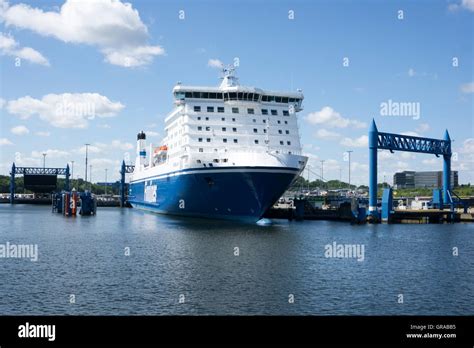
column 399, row 142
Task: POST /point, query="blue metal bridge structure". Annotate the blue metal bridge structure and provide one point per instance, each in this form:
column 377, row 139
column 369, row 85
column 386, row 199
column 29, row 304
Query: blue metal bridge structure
column 398, row 142
column 125, row 169
column 36, row 171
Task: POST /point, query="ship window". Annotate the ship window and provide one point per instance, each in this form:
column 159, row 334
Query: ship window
column 199, row 118
column 254, row 121
column 234, row 129
column 218, row 95
column 179, row 95
column 284, row 100
column 210, row 109
column 196, row 94
column 250, row 96
column 287, row 132
column 281, row 142
column 207, row 118
column 264, row 121
column 264, row 131
column 199, row 128
column 189, row 95
column 264, row 98
column 200, row 140
column 223, row 119
column 264, row 112
column 201, row 149
column 271, row 98
column 225, row 160
column 211, row 165
column 288, row 142
column 208, row 140
column 279, row 121
column 250, row 111
column 235, row 110
column 215, row 160
column 220, row 109
column 224, row 129
column 232, row 96
column 235, row 141
column 274, row 112
column 197, row 108
column 286, row 122
column 208, row 128
column 198, row 161
column 205, row 95
column 233, row 120
column 224, row 140
column 256, row 141
column 286, row 113
column 212, row 95
column 279, row 131
column 291, row 100
column 240, row 96
column 278, row 99
column 255, row 130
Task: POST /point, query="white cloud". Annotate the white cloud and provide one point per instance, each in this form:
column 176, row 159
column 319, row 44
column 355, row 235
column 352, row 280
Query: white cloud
column 105, row 148
column 115, row 28
column 410, row 133
column 467, row 88
column 103, row 126
column 465, row 4
column 431, row 161
column 121, row 145
column 411, row 72
column 67, row 110
column 20, row 130
column 5, row 141
column 2, row 101
column 50, row 153
column 330, row 118
column 407, row 155
column 43, row 134
column 152, row 134
column 9, row 47
column 131, row 57
column 423, row 127
column 215, row 63
column 325, row 134
column 467, row 146
column 362, row 141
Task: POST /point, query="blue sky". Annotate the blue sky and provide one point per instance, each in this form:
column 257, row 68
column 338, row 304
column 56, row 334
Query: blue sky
column 127, row 60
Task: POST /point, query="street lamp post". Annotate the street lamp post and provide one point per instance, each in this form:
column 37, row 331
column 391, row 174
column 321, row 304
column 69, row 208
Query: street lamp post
column 85, row 180
column 44, row 160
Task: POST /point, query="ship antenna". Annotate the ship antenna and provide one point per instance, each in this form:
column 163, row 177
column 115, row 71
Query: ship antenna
column 228, row 76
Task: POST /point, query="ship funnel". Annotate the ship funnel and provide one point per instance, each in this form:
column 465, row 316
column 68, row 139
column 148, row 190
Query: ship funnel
column 141, row 148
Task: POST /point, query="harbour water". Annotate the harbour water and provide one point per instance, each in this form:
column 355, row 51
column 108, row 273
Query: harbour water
column 170, row 257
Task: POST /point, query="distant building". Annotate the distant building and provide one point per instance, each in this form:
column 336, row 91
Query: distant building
column 411, row 179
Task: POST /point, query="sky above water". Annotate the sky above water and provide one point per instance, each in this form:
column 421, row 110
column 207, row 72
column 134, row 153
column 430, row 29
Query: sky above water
column 406, row 64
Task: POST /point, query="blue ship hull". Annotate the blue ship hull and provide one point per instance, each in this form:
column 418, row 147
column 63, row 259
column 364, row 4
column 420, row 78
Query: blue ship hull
column 237, row 193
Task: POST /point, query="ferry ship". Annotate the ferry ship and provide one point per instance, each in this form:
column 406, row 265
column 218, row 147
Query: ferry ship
column 229, row 152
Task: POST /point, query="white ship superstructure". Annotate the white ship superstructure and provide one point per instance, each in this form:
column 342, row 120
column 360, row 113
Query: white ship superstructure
column 227, row 130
